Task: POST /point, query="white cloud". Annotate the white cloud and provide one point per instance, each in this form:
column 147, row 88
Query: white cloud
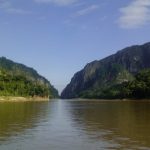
column 57, row 2
column 86, row 11
column 136, row 14
column 7, row 6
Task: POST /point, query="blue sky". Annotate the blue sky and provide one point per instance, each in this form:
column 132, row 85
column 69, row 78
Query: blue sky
column 59, row 37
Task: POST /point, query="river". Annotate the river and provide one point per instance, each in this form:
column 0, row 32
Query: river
column 75, row 125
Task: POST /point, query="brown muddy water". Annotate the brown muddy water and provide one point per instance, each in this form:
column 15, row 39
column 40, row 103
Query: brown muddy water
column 75, row 125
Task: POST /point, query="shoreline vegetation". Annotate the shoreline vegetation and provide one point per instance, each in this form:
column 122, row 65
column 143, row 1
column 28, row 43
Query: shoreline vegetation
column 22, row 99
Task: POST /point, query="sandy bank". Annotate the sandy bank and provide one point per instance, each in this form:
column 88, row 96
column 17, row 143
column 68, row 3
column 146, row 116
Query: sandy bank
column 21, row 99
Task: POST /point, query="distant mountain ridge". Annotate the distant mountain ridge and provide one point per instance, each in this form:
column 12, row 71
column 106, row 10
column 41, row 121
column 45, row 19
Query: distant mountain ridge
column 110, row 71
column 23, row 79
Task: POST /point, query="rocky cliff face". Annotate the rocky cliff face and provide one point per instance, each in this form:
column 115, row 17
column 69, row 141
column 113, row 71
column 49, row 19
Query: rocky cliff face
column 109, row 71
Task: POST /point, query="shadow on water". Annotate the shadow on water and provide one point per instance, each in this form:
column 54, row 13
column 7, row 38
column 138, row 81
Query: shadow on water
column 124, row 124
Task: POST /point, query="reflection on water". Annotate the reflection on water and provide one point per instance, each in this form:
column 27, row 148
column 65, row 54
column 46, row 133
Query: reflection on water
column 75, row 125
column 15, row 117
column 126, row 124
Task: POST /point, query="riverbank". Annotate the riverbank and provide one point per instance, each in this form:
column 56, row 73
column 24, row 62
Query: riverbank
column 107, row 100
column 21, row 99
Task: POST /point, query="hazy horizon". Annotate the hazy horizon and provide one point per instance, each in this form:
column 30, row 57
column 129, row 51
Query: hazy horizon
column 59, row 37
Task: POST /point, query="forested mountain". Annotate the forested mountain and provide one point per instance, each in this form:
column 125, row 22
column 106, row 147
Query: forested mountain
column 19, row 80
column 116, row 76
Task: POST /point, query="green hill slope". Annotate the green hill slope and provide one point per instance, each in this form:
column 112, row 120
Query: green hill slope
column 19, row 80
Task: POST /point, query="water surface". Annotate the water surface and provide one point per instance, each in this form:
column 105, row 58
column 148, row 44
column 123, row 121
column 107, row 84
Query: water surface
column 75, row 125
